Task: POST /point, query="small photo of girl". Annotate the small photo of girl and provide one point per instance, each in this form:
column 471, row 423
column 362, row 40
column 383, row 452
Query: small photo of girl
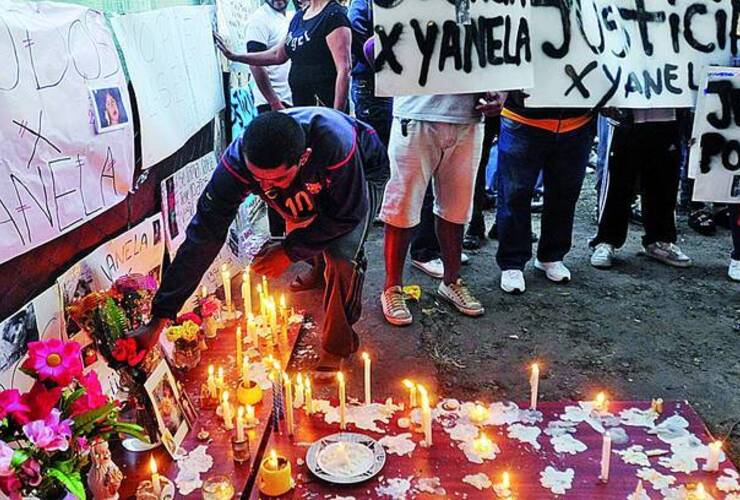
column 110, row 110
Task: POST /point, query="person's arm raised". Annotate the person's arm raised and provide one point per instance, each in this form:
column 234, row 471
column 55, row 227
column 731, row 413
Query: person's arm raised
column 274, row 56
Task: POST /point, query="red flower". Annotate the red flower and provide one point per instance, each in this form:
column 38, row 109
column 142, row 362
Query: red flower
column 40, row 400
column 93, row 397
column 125, row 352
column 54, row 360
column 190, row 316
column 11, row 404
column 11, row 486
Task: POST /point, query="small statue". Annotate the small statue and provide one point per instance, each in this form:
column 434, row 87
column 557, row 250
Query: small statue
column 104, row 478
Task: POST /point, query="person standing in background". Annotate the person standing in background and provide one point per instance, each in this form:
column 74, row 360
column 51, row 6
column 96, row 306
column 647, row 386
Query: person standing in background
column 267, row 28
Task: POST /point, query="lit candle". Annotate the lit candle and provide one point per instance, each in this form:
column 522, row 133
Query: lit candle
column 479, row 414
column 503, row 489
column 534, row 384
column 700, row 493
column 273, row 320
column 426, row 415
column 220, row 385
column 283, row 309
column 714, row 452
column 265, row 288
column 412, row 392
column 245, row 371
column 250, row 420
column 262, row 303
column 342, row 401
column 299, row 389
column 606, row 452
column 309, row 397
column 156, row 484
column 273, row 460
column 239, row 353
column 212, row 382
column 483, row 444
column 247, row 291
column 226, row 411
column 368, row 391
column 600, row 403
column 288, row 386
column 226, row 277
column 240, row 424
column 252, row 330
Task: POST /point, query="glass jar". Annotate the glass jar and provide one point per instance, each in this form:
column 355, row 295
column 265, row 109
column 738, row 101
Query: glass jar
column 218, row 488
column 187, row 354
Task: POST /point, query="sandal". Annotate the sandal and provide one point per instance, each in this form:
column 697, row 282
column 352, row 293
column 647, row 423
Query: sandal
column 702, row 222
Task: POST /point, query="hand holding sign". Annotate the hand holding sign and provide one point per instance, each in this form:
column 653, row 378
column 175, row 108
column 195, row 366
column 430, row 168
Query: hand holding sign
column 492, row 104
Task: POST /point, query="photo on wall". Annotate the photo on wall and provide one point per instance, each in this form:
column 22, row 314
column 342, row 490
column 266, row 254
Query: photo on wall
column 15, row 334
column 110, row 110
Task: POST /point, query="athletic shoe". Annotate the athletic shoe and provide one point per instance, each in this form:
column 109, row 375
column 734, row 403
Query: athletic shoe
column 512, row 281
column 435, row 267
column 458, row 294
column 668, row 253
column 603, row 256
column 464, row 259
column 395, row 310
column 555, row 271
column 734, row 271
column 538, row 203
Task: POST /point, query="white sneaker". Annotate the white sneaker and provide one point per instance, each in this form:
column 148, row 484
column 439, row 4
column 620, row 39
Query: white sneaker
column 734, row 271
column 668, row 253
column 458, row 294
column 603, row 256
column 555, row 271
column 434, row 268
column 512, row 281
column 395, row 310
column 464, row 259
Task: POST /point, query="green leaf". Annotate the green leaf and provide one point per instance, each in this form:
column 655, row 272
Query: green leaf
column 87, row 420
column 19, row 456
column 72, row 482
column 71, row 398
column 114, row 318
column 132, row 430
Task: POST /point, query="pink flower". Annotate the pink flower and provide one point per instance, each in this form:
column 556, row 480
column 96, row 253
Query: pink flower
column 11, row 404
column 40, row 400
column 50, row 434
column 81, row 445
column 30, row 470
column 93, row 397
column 54, row 360
column 189, row 316
column 6, row 457
column 11, row 486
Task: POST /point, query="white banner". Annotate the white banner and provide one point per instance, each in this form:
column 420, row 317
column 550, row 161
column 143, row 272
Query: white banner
column 232, row 17
column 714, row 157
column 421, row 49
column 172, row 62
column 65, row 123
column 626, row 53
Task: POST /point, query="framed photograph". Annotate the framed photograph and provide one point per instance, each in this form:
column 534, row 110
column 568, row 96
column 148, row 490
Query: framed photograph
column 166, row 401
column 15, row 334
column 110, row 110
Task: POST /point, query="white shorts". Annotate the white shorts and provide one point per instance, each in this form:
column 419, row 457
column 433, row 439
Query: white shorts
column 448, row 154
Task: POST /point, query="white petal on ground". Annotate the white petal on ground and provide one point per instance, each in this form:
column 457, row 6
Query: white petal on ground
column 670, row 429
column 657, row 480
column 477, row 456
column 396, row 487
column 634, row 455
column 480, row 481
column 567, row 444
column 557, row 481
column 636, row 417
column 525, row 434
column 462, row 432
column 727, row 484
column 398, row 445
column 431, row 485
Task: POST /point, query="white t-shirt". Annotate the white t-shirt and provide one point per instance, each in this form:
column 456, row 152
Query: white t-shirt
column 270, row 27
column 443, row 108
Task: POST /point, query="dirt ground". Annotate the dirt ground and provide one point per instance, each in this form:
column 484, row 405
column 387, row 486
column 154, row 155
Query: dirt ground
column 639, row 331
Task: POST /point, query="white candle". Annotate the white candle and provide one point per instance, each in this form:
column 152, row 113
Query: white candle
column 220, row 384
column 226, row 411
column 156, row 484
column 606, row 452
column 252, row 330
column 368, row 391
column 342, row 401
column 288, row 386
column 534, row 384
column 245, row 370
column 265, row 288
column 239, row 353
column 426, row 416
column 226, row 277
column 283, row 310
column 250, row 421
column 212, row 382
column 273, row 321
column 309, row 397
column 412, row 393
column 714, row 453
column 247, row 291
column 262, row 303
column 240, row 424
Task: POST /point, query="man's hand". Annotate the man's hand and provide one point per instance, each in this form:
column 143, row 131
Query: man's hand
column 276, row 106
column 272, row 261
column 147, row 336
column 492, row 104
column 221, row 45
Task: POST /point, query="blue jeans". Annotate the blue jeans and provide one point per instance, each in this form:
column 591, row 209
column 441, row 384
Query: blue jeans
column 375, row 111
column 524, row 151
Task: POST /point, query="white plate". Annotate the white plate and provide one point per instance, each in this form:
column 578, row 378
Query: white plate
column 137, row 445
column 367, row 455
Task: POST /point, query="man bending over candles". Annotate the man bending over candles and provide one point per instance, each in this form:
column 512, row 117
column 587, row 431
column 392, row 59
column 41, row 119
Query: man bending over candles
column 313, row 166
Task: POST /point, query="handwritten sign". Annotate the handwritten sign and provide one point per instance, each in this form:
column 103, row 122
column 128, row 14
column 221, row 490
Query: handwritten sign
column 56, row 172
column 421, row 48
column 714, row 157
column 627, row 53
column 172, row 62
column 232, row 17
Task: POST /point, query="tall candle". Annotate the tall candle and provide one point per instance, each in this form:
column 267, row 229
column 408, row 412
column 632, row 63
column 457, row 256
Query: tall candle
column 250, row 420
column 265, row 288
column 156, row 484
column 368, row 391
column 299, row 389
column 606, row 452
column 412, row 392
column 239, row 353
column 245, row 371
column 309, row 397
column 247, row 291
column 273, row 321
column 240, row 424
column 226, row 411
column 283, row 309
column 262, row 303
column 342, row 401
column 212, row 382
column 426, row 415
column 714, row 453
column 534, row 384
column 252, row 330
column 226, row 277
column 288, row 386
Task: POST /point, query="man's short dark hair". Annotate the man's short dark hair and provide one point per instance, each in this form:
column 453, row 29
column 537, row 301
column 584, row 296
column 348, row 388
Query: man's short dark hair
column 273, row 139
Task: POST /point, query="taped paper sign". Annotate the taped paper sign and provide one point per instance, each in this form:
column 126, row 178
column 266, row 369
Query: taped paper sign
column 421, row 49
column 714, row 157
column 56, row 171
column 627, row 53
column 173, row 67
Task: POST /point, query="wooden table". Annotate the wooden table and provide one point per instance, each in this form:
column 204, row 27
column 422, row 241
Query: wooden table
column 221, row 351
column 445, row 461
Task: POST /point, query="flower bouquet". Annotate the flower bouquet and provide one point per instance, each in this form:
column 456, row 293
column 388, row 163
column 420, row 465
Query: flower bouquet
column 135, row 293
column 46, row 433
column 185, row 336
column 209, row 308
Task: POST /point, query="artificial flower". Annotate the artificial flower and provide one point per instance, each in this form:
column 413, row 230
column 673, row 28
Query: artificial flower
column 209, row 306
column 40, row 400
column 50, row 434
column 54, row 360
column 93, row 397
column 125, row 351
column 187, row 332
column 30, row 471
column 11, row 486
column 6, row 458
column 12, row 404
column 81, row 445
column 135, row 282
column 190, row 316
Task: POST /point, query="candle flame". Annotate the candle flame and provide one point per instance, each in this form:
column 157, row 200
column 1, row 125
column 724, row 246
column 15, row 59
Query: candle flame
column 483, row 443
column 716, row 444
column 340, row 377
column 408, row 384
column 700, row 493
column 225, row 397
column 220, row 372
column 210, row 370
column 535, row 367
column 600, row 399
column 273, row 459
column 365, row 356
column 286, row 378
column 282, row 301
column 152, row 464
column 250, row 412
column 238, row 331
column 505, row 481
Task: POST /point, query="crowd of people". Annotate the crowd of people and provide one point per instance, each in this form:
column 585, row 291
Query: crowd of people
column 424, row 167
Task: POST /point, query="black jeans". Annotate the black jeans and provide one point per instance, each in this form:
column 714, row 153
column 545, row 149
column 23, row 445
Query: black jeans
column 652, row 151
column 375, row 111
column 477, row 222
column 735, row 223
column 425, row 245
